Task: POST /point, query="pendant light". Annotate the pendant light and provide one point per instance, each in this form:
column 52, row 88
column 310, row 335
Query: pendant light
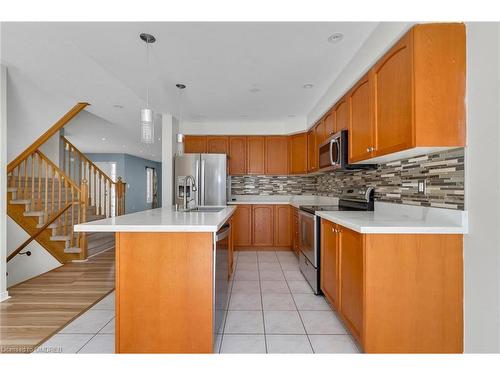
column 180, row 136
column 147, row 115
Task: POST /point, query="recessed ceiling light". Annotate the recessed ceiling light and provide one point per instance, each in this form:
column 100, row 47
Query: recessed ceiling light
column 335, row 38
column 103, row 139
column 141, row 151
column 254, row 90
column 159, row 138
column 308, row 86
column 119, row 106
column 123, row 146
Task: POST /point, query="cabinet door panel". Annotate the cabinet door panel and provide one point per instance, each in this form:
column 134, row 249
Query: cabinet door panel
column 392, row 87
column 312, row 152
column 276, row 155
column 282, row 226
column 320, row 133
column 351, row 276
column 242, row 226
column 329, row 124
column 298, row 153
column 256, row 155
column 237, row 155
column 329, row 262
column 341, row 115
column 361, row 123
column 217, row 145
column 263, row 225
column 195, row 144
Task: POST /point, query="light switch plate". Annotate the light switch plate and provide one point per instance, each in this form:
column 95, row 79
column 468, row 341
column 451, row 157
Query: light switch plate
column 421, row 186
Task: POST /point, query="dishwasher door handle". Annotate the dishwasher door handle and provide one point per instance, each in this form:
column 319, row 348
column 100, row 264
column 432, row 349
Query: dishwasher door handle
column 223, row 232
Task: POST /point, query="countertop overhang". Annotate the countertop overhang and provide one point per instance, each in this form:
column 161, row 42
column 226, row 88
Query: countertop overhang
column 164, row 219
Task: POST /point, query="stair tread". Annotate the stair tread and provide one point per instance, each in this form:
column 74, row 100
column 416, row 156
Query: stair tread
column 34, row 213
column 20, row 201
column 72, row 250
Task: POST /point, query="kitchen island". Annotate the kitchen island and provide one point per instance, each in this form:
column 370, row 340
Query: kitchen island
column 172, row 271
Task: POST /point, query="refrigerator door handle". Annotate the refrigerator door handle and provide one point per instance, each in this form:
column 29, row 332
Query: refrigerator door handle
column 202, row 183
column 197, row 177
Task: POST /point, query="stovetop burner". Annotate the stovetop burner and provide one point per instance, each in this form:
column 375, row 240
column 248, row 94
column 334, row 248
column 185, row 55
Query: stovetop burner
column 351, row 199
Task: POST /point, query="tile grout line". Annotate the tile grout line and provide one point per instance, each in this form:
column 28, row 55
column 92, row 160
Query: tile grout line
column 297, row 309
column 262, row 304
column 95, row 334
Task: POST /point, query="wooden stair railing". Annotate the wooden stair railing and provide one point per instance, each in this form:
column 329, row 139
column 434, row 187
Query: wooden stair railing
column 105, row 194
column 42, row 185
column 45, row 136
column 39, row 231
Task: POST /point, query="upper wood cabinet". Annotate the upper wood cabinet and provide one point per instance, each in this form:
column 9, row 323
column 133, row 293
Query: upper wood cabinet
column 360, row 120
column 283, row 226
column 237, row 155
column 242, row 226
column 351, row 275
column 312, row 154
column 320, row 133
column 263, row 225
column 256, row 155
column 276, row 155
column 329, row 124
column 217, row 145
column 329, row 274
column 341, row 115
column 195, row 144
column 298, row 153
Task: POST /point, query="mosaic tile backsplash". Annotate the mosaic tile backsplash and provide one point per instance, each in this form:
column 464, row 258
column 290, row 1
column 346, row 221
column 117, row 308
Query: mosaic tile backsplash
column 395, row 182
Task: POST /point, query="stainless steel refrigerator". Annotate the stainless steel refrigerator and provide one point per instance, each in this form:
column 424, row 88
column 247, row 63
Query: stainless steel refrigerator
column 209, row 174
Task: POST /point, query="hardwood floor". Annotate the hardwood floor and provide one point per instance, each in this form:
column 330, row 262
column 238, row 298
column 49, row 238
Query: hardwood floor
column 41, row 306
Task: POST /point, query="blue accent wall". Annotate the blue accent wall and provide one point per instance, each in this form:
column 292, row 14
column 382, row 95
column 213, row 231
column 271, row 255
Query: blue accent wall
column 132, row 170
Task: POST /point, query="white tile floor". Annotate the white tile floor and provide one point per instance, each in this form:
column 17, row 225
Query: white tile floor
column 271, row 310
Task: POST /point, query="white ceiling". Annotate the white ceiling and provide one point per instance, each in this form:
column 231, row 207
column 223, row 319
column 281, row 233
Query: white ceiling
column 105, row 64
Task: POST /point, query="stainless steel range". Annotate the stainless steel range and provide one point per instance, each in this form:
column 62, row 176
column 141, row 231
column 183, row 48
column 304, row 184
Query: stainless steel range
column 351, row 199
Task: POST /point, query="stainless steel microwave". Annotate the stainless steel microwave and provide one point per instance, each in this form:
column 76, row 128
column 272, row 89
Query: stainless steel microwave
column 334, row 154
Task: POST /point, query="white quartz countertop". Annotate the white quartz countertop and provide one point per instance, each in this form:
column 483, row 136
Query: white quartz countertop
column 164, row 219
column 398, row 218
column 294, row 200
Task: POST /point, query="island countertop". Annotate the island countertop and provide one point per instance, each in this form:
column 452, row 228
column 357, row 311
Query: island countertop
column 164, row 219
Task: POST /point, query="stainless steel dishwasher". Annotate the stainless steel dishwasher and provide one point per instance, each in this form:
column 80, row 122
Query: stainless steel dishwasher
column 221, row 281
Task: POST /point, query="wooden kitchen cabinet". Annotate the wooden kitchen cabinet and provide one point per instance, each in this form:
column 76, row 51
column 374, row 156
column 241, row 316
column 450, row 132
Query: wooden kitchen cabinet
column 341, row 115
column 276, row 155
column 329, row 272
column 319, row 129
column 298, row 153
column 351, row 276
column 329, row 121
column 283, row 226
column 217, row 145
column 256, row 155
column 263, row 225
column 237, row 155
column 413, row 99
column 242, row 226
column 194, row 144
column 360, row 120
column 312, row 152
column 396, row 293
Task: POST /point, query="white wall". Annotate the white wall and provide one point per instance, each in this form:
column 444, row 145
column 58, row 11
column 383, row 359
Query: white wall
column 170, row 127
column 31, row 111
column 482, row 244
column 23, row 267
column 3, row 182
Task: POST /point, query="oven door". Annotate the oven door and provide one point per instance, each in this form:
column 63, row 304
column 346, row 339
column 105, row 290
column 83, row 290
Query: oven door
column 308, row 237
column 330, row 153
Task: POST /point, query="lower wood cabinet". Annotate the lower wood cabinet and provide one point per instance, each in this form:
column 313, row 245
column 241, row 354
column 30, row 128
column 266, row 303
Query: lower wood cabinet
column 396, row 293
column 262, row 223
column 242, row 226
column 264, row 226
column 295, row 231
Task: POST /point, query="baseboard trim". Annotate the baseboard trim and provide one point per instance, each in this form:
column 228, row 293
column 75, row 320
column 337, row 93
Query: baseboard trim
column 4, row 296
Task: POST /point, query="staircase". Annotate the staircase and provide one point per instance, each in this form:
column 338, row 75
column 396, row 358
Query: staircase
column 47, row 200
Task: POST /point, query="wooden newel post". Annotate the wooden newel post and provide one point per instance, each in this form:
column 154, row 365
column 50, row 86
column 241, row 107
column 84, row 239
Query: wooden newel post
column 84, row 187
column 120, row 196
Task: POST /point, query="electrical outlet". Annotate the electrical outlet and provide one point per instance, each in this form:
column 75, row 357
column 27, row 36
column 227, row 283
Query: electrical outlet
column 421, row 186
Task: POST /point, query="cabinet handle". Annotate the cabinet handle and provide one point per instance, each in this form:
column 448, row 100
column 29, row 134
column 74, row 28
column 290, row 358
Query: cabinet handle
column 368, row 149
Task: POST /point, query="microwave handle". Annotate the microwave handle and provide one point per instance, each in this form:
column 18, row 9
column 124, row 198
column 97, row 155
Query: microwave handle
column 332, row 162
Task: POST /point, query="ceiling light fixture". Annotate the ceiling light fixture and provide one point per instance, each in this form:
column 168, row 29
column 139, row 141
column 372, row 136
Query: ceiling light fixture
column 308, row 86
column 147, row 115
column 119, row 106
column 103, row 139
column 335, row 38
column 180, row 136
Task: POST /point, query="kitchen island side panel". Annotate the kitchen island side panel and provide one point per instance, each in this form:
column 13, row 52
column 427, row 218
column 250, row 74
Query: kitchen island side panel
column 164, row 292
